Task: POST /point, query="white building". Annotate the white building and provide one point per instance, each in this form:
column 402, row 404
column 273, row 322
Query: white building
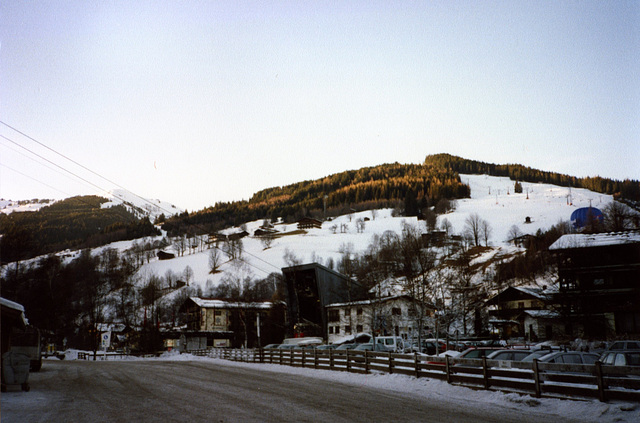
column 399, row 315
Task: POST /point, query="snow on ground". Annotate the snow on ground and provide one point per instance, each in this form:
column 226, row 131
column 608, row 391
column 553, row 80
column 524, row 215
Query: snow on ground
column 437, row 390
column 494, row 200
column 136, row 204
column 9, row 206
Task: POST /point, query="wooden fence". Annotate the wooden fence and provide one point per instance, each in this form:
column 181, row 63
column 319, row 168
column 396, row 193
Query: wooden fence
column 540, row 379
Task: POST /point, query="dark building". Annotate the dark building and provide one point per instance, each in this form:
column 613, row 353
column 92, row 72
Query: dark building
column 528, row 312
column 599, row 277
column 226, row 323
column 310, row 288
column 309, row 223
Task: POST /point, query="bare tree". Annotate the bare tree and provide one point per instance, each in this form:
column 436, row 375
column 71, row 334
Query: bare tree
column 360, row 225
column 188, row 274
column 215, row 260
column 485, row 230
column 290, row 258
column 617, row 217
column 472, row 228
column 514, row 232
column 180, row 244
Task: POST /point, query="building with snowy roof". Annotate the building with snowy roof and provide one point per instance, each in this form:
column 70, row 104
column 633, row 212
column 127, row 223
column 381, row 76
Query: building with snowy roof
column 599, row 283
column 215, row 322
column 395, row 315
column 529, row 312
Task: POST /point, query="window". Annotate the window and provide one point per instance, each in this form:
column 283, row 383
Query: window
column 337, row 330
column 396, row 311
column 358, row 328
column 347, row 329
column 330, row 330
column 334, row 315
column 521, row 304
column 359, row 311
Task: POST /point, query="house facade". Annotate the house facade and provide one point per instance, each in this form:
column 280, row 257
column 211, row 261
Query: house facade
column 599, row 283
column 527, row 312
column 232, row 323
column 399, row 315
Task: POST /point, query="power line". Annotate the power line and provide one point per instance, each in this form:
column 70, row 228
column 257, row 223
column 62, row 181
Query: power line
column 113, row 183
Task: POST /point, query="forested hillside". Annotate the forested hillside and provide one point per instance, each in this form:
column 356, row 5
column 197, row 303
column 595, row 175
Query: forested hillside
column 409, row 187
column 627, row 189
column 77, row 222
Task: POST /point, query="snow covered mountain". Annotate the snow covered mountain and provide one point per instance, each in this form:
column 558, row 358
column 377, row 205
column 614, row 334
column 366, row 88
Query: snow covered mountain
column 539, row 206
column 141, row 207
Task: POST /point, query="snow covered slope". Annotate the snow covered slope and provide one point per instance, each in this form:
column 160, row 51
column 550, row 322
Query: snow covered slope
column 141, row 207
column 492, row 198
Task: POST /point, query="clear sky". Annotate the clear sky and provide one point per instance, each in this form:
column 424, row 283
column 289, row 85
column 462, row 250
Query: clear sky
column 195, row 102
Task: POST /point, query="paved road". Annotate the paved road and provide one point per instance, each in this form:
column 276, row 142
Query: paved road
column 203, row 391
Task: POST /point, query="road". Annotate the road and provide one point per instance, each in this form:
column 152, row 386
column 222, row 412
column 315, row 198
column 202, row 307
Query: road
column 210, row 391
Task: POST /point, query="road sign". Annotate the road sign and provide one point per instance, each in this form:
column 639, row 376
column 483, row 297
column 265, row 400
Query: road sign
column 106, row 339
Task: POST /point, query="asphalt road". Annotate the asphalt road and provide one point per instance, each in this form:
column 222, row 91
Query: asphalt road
column 202, row 391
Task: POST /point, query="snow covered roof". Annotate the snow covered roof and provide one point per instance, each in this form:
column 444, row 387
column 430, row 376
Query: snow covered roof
column 368, row 302
column 15, row 310
column 215, row 303
column 571, row 241
column 543, row 314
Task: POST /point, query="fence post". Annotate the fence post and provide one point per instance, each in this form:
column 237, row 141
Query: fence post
column 348, row 361
column 447, row 366
column 304, row 356
column 331, row 359
column 315, row 358
column 536, row 378
column 366, row 361
column 416, row 362
column 601, row 386
column 485, row 373
column 390, row 362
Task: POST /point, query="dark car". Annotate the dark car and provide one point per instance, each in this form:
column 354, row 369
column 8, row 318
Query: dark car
column 326, row 347
column 621, row 358
column 270, row 346
column 370, row 347
column 347, row 346
column 624, row 345
column 509, row 355
column 478, row 352
column 570, row 357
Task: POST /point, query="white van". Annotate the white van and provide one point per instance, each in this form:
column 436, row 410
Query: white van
column 392, row 343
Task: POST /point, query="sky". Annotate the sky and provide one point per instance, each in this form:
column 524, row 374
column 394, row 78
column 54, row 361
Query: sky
column 196, row 102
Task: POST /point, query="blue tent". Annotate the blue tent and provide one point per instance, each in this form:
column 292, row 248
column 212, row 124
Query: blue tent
column 582, row 216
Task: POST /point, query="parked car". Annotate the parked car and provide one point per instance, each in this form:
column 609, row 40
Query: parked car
column 288, row 347
column 270, row 346
column 370, row 347
column 621, row 358
column 536, row 354
column 570, row 357
column 478, row 352
column 349, row 346
column 394, row 343
column 326, row 347
column 509, row 355
column 624, row 345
